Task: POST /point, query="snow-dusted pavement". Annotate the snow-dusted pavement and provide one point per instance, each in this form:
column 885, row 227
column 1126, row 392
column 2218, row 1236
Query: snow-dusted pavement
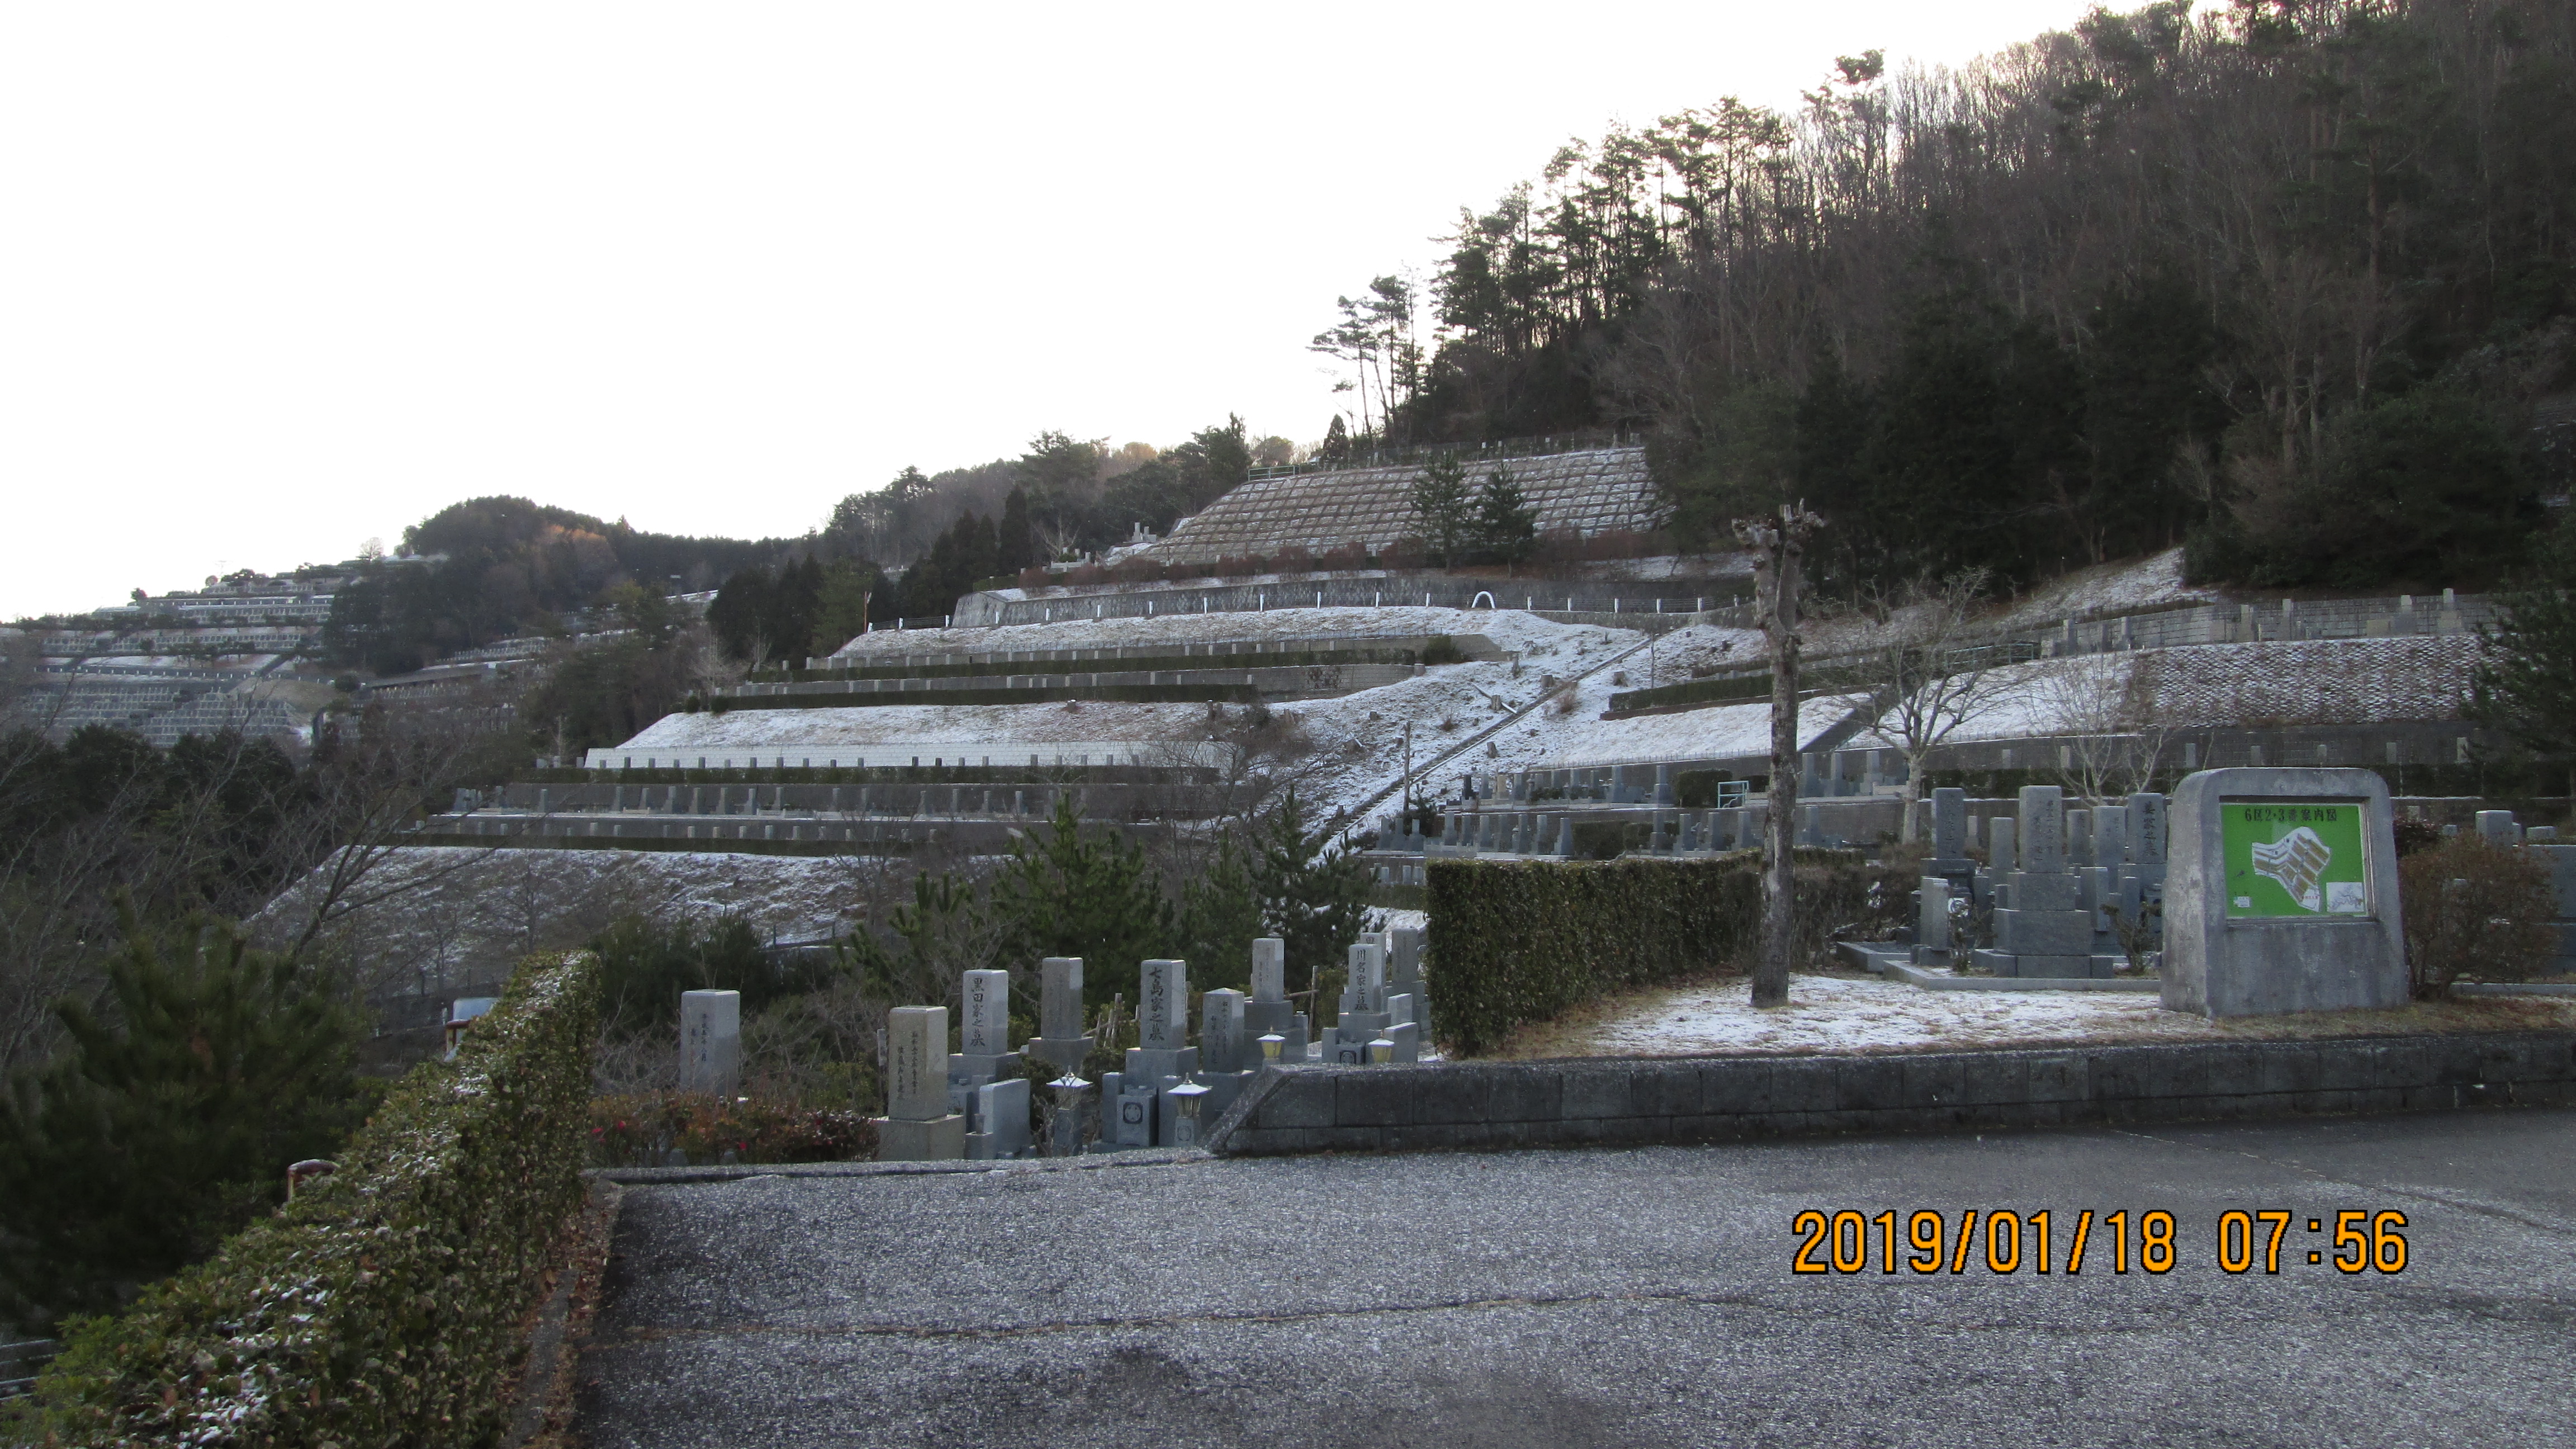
column 1834, row 1013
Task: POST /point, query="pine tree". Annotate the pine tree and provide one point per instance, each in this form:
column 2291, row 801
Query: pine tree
column 1506, row 523
column 1093, row 897
column 1440, row 500
column 2525, row 680
column 1015, row 539
column 1336, row 447
column 1314, row 892
column 154, row 1137
column 1220, row 915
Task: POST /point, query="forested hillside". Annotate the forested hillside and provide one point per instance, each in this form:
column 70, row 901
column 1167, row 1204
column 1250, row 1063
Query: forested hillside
column 509, row 565
column 2282, row 281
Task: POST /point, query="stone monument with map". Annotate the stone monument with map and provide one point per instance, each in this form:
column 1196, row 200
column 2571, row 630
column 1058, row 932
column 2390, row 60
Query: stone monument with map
column 2281, row 894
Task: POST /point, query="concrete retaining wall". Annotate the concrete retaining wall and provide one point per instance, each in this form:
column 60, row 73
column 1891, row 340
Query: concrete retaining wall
column 1703, row 1099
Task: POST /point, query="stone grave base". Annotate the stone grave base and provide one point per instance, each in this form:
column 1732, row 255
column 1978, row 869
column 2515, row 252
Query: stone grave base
column 1893, row 961
column 941, row 1139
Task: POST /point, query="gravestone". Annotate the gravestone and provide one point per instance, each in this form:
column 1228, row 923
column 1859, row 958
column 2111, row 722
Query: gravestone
column 918, row 1125
column 1363, row 1014
column 711, row 1042
column 2281, row 894
column 2111, row 835
column 2042, row 926
column 1061, row 1039
column 984, row 1057
column 2497, row 827
column 1222, row 1043
column 1001, row 1121
column 1932, row 922
column 1404, row 972
column 986, row 1026
column 1160, row 1061
column 1270, row 1012
column 2079, row 838
column 1950, row 836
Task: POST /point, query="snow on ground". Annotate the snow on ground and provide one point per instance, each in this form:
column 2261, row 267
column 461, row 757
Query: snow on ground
column 1508, row 628
column 1352, row 746
column 964, row 725
column 459, row 915
column 1834, row 1013
column 2112, row 588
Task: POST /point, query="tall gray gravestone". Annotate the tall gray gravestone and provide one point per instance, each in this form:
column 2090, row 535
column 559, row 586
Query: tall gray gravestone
column 1363, row 1017
column 711, row 1042
column 985, row 1073
column 1160, row 1061
column 1404, row 973
column 2042, row 928
column 1061, row 1040
column 1950, row 836
column 918, row 1125
column 1932, row 922
column 1270, row 1012
column 2281, row 894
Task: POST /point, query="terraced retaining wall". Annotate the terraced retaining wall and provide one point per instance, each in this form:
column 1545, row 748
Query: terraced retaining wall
column 1706, row 1099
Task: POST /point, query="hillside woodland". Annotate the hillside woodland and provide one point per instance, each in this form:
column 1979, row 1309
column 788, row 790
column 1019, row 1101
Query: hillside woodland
column 2284, row 282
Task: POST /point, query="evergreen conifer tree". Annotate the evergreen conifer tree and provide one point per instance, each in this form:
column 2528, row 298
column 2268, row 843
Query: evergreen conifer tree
column 171, row 1118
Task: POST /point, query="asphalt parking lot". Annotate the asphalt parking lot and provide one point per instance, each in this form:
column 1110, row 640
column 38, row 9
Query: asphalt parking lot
column 1638, row 1297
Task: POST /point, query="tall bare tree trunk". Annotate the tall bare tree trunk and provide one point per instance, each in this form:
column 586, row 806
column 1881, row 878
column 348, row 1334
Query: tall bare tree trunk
column 1777, row 547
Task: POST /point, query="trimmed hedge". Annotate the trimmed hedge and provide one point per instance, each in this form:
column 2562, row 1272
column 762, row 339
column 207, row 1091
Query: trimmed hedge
column 384, row 1305
column 1516, row 943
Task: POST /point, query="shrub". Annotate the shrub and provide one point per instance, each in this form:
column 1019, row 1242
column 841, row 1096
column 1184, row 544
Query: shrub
column 1294, row 559
column 1138, row 569
column 384, row 1305
column 1352, row 555
column 1512, row 944
column 1443, row 650
column 642, row 1129
column 2414, row 834
column 2474, row 911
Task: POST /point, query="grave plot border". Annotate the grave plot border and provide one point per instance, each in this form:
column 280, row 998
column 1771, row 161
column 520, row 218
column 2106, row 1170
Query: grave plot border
column 1581, row 1101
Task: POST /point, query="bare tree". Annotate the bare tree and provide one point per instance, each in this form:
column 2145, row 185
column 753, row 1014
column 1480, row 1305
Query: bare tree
column 1927, row 673
column 1778, row 547
column 371, row 782
column 2112, row 736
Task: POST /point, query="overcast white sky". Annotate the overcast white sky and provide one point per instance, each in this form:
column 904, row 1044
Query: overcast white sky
column 276, row 279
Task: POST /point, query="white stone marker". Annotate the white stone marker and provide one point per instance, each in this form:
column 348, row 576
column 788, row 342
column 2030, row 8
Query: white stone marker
column 986, row 1030
column 918, row 1126
column 711, row 1042
column 1269, row 969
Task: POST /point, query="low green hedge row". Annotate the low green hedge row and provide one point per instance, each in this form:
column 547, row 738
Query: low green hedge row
column 1517, row 943
column 384, row 1305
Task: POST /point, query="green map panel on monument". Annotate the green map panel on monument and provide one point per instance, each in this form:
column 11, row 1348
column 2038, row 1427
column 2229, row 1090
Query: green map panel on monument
column 2281, row 894
column 2294, row 858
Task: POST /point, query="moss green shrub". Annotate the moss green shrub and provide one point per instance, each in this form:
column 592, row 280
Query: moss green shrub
column 1517, row 943
column 384, row 1305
